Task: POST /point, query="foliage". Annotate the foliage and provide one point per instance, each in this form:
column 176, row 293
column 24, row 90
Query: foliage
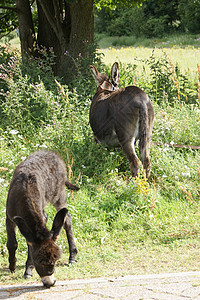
column 113, row 4
column 8, row 17
column 112, row 213
column 167, row 82
column 131, row 22
column 154, row 18
column 189, row 12
column 174, row 42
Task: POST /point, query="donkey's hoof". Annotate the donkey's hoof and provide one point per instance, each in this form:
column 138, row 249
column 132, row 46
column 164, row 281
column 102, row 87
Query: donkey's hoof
column 12, row 269
column 72, row 261
column 27, row 276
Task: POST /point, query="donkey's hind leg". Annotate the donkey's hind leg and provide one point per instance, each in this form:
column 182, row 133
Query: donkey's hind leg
column 145, row 152
column 146, row 162
column 70, row 237
column 128, row 147
column 11, row 243
column 134, row 162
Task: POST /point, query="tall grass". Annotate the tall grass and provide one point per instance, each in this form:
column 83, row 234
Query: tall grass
column 113, row 215
column 170, row 41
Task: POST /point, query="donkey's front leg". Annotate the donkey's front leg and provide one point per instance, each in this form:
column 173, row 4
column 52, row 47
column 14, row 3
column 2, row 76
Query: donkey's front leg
column 11, row 243
column 29, row 265
column 68, row 228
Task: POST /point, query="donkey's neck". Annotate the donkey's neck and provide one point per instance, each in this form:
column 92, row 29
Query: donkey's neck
column 37, row 217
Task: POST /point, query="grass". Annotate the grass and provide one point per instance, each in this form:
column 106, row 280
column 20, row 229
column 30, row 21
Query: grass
column 187, row 58
column 122, row 226
column 169, row 41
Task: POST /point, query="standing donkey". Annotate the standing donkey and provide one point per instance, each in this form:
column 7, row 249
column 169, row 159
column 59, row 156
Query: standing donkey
column 121, row 117
column 38, row 180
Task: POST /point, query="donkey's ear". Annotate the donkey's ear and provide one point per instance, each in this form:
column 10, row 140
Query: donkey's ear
column 24, row 229
column 58, row 223
column 115, row 74
column 95, row 74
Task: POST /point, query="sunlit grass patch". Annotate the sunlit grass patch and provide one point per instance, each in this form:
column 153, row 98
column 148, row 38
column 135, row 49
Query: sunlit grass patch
column 186, row 58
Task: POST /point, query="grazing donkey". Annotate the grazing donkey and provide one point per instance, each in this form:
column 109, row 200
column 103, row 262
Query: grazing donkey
column 121, row 117
column 38, row 180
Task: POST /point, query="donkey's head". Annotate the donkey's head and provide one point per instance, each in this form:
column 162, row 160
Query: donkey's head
column 103, row 81
column 43, row 249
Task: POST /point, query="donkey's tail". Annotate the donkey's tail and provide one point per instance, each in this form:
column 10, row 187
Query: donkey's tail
column 143, row 127
column 71, row 186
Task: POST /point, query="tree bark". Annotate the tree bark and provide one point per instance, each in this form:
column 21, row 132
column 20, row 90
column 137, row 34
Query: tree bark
column 82, row 26
column 26, row 28
column 46, row 36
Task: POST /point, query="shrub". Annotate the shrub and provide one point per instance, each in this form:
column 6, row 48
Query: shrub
column 167, row 83
column 130, row 22
column 189, row 11
column 155, row 27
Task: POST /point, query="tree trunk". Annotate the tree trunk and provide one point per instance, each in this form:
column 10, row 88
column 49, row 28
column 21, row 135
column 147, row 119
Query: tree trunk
column 26, row 28
column 68, row 30
column 65, row 26
column 82, row 26
column 46, row 36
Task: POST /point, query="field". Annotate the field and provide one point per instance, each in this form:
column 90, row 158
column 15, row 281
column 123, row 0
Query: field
column 186, row 58
column 122, row 225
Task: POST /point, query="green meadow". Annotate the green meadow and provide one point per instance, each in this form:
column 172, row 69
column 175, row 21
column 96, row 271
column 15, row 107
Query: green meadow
column 186, row 58
column 122, row 225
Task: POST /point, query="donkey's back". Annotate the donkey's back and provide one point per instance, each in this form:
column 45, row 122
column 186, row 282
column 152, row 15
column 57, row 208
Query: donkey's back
column 42, row 176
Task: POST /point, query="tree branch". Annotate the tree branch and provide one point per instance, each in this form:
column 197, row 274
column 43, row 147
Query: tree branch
column 49, row 16
column 55, row 22
column 58, row 14
column 178, row 146
column 8, row 7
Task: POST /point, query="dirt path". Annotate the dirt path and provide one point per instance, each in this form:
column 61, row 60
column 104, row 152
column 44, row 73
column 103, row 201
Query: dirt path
column 174, row 286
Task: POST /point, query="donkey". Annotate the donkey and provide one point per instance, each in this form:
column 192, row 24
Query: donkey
column 38, row 180
column 120, row 117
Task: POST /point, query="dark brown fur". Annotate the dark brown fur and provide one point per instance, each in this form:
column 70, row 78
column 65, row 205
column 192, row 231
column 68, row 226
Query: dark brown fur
column 120, row 117
column 38, row 180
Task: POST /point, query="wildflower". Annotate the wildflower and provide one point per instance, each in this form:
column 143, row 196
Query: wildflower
column 2, row 180
column 13, row 131
column 186, row 174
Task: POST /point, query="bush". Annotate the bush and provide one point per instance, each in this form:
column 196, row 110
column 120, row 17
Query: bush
column 130, row 22
column 189, row 11
column 155, row 27
column 167, row 83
